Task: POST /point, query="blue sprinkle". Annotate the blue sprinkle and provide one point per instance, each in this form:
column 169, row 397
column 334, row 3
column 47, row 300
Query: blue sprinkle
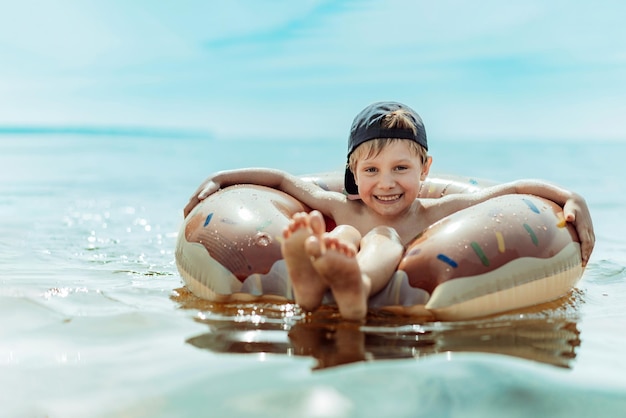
column 208, row 219
column 531, row 205
column 447, row 260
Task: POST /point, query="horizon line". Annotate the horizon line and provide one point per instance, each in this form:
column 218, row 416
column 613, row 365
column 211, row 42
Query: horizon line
column 102, row 130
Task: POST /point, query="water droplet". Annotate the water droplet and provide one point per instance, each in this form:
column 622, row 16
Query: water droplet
column 262, row 239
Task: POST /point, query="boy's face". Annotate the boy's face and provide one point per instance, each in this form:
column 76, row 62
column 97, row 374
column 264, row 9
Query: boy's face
column 389, row 182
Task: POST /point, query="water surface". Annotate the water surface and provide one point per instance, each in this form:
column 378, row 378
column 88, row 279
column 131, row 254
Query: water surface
column 96, row 321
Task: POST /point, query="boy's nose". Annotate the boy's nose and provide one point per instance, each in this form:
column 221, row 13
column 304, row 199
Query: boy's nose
column 387, row 181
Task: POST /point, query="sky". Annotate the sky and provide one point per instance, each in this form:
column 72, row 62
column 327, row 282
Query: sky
column 284, row 69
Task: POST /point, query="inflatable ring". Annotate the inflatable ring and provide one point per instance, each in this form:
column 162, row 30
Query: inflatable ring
column 507, row 253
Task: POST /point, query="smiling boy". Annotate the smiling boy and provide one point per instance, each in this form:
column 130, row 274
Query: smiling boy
column 387, row 163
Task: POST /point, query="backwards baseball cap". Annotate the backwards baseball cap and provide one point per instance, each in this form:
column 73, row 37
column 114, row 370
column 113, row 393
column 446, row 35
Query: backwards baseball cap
column 367, row 125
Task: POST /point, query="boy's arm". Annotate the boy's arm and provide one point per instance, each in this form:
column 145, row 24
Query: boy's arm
column 575, row 210
column 306, row 192
column 574, row 206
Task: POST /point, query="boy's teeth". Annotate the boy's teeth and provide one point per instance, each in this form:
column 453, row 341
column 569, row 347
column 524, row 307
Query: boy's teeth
column 387, row 198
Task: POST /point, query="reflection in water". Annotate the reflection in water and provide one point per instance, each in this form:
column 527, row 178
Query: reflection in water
column 546, row 334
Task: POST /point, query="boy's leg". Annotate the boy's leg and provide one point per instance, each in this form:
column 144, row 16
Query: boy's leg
column 335, row 260
column 379, row 256
column 346, row 233
column 308, row 286
column 353, row 278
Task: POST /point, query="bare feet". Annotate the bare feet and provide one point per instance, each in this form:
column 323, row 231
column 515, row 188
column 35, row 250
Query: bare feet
column 335, row 260
column 317, row 261
column 308, row 286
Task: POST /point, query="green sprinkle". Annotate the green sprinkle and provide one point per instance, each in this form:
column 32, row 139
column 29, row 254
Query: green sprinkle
column 264, row 225
column 532, row 234
column 479, row 252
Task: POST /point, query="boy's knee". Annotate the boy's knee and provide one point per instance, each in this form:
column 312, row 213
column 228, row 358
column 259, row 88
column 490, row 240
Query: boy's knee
column 347, row 232
column 385, row 231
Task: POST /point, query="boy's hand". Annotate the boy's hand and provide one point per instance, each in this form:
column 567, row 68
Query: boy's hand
column 207, row 188
column 576, row 211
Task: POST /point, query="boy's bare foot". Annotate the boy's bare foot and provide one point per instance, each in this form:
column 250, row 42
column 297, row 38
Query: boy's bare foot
column 335, row 260
column 308, row 286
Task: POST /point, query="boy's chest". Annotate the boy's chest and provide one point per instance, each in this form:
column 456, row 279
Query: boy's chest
column 407, row 226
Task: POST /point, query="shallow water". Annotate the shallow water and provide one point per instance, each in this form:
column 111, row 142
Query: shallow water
column 96, row 321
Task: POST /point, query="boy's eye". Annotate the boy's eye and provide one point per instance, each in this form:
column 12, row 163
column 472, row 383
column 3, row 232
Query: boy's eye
column 402, row 167
column 370, row 170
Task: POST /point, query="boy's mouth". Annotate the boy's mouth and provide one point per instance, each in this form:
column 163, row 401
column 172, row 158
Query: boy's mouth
column 389, row 198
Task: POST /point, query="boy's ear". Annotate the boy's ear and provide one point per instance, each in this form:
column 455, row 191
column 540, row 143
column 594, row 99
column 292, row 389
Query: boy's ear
column 426, row 167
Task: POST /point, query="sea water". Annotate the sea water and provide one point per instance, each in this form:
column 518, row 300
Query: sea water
column 95, row 320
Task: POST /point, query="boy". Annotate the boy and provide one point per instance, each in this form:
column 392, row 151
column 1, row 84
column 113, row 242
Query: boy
column 387, row 161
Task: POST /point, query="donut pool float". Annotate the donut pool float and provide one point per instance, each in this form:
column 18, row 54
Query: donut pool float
column 507, row 253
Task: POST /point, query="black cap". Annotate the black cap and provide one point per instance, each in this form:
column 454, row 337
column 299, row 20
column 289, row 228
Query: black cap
column 367, row 126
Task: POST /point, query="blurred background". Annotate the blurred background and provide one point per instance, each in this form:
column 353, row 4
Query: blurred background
column 282, row 69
